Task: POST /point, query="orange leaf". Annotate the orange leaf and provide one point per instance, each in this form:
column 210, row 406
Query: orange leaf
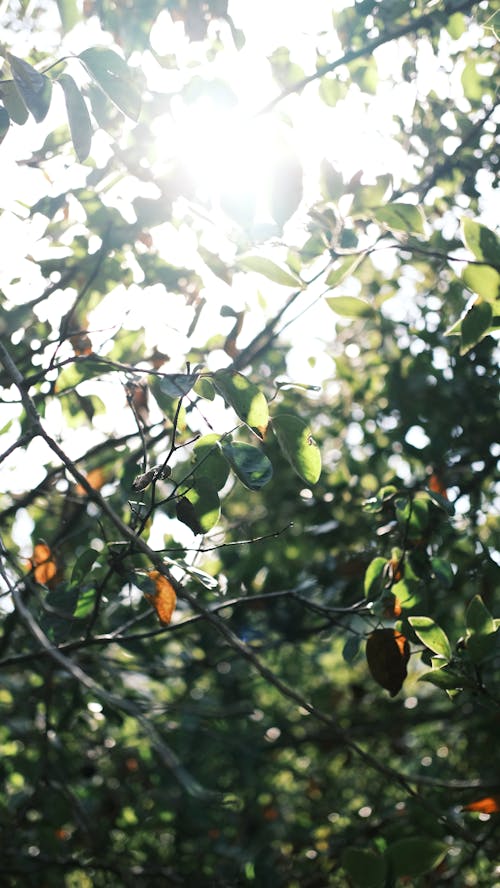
column 387, row 654
column 81, row 343
column 488, row 805
column 164, row 598
column 96, row 480
column 42, row 564
column 437, row 486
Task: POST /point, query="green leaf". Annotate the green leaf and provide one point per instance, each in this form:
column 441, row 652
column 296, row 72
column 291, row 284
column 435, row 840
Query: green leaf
column 68, row 12
column 351, row 648
column 204, row 389
column 208, row 461
column 270, row 270
column 245, row 398
column 366, row 868
column 83, row 565
column 444, row 679
column 443, row 572
column 205, row 500
column 343, row 270
column 249, row 464
column 483, row 280
column 349, row 306
column 34, row 88
column 478, row 618
column 401, row 217
column 456, row 25
column 373, row 576
column 471, row 82
column 298, row 445
column 85, row 602
column 78, row 117
column 176, row 385
column 4, row 124
column 413, row 857
column 431, row 635
column 475, row 325
column 114, row 77
column 13, row 102
column 481, row 241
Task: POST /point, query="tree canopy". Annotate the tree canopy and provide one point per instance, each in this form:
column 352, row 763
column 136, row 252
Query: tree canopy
column 250, row 546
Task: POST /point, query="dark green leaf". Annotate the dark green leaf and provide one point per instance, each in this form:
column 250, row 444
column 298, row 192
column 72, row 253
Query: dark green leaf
column 475, row 325
column 83, row 565
column 35, row 88
column 4, row 124
column 176, row 385
column 78, row 117
column 114, row 77
column 478, row 617
column 249, row 464
column 364, row 867
column 413, row 857
column 13, row 102
column 298, row 445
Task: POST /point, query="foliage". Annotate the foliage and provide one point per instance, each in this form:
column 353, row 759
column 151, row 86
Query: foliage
column 212, row 571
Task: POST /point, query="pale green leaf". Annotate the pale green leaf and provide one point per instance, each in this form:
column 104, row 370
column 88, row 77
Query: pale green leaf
column 431, row 635
column 298, row 445
column 270, row 270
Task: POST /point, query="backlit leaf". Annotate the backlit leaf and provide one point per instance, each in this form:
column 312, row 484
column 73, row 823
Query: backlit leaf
column 298, row 445
column 343, row 269
column 483, row 280
column 481, row 241
column 164, row 597
column 487, row 805
column 349, row 306
column 401, row 217
column 245, row 398
column 186, row 514
column 206, row 504
column 431, row 635
column 478, row 617
column 387, row 655
column 270, row 270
